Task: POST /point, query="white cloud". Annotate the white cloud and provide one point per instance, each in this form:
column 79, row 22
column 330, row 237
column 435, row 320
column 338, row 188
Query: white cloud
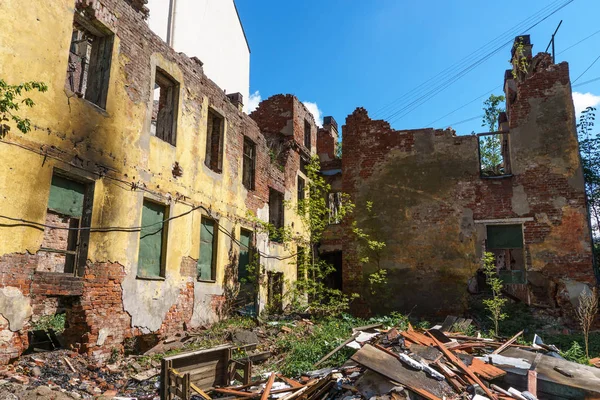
column 253, row 102
column 584, row 100
column 315, row 111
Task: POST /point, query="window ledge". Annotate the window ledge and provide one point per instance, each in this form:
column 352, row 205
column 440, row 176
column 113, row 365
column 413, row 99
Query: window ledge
column 71, row 94
column 207, row 280
column 497, row 177
column 150, row 278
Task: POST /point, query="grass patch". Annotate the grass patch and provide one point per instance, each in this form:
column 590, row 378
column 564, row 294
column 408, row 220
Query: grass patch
column 303, row 348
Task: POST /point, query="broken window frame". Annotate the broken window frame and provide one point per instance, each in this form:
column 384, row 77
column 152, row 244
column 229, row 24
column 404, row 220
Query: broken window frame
column 214, row 148
column 164, row 124
column 90, row 53
column 149, row 204
column 334, row 203
column 301, row 194
column 249, row 164
column 276, row 214
column 78, row 238
column 307, row 134
column 503, row 169
column 509, row 275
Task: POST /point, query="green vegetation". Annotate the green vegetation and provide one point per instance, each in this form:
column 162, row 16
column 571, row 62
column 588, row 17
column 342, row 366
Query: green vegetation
column 304, row 349
column 496, row 304
column 490, row 146
column 54, row 323
column 10, row 102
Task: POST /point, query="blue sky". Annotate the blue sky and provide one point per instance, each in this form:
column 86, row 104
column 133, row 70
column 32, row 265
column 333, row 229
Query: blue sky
column 343, row 54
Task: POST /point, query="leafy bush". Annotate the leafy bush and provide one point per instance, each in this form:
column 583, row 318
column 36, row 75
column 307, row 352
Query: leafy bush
column 575, row 353
column 54, row 323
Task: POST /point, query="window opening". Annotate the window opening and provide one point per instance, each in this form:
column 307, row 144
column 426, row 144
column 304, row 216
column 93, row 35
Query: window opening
column 164, row 107
column 275, row 291
column 301, row 194
column 69, row 206
column 88, row 70
column 506, row 243
column 214, row 141
column 334, row 203
column 153, row 238
column 207, row 266
column 249, row 164
column 494, row 157
column 246, row 275
column 276, row 208
column 307, row 134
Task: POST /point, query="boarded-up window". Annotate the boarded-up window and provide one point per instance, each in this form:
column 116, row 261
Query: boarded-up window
column 249, row 164
column 90, row 54
column 307, row 135
column 275, row 291
column 214, row 141
column 275, row 214
column 165, row 106
column 506, row 243
column 69, row 208
column 152, row 240
column 208, row 250
column 301, row 263
column 334, row 203
column 245, row 255
column 301, row 194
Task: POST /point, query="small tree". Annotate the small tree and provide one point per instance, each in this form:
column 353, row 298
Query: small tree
column 490, row 147
column 589, row 148
column 310, row 290
column 496, row 304
column 10, row 102
column 586, row 314
column 370, row 251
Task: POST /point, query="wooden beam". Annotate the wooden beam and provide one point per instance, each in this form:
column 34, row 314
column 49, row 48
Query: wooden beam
column 508, row 343
column 268, row 387
column 332, row 352
column 456, row 361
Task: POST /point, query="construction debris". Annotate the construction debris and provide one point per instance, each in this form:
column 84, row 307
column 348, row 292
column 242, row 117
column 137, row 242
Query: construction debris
column 389, row 363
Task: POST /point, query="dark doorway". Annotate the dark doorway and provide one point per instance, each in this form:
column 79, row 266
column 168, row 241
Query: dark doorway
column 334, row 279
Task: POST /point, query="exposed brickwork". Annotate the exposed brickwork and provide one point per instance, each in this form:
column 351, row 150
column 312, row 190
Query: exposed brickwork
column 180, row 314
column 430, row 203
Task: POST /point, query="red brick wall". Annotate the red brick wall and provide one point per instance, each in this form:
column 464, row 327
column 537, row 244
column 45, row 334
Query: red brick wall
column 428, row 195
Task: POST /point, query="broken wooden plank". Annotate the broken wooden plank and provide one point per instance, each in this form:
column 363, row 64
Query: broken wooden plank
column 532, row 382
column 69, row 364
column 144, row 376
column 234, row 392
column 289, row 381
column 338, row 348
column 390, row 367
column 485, row 370
column 201, row 392
column 507, row 343
column 268, row 386
column 456, row 361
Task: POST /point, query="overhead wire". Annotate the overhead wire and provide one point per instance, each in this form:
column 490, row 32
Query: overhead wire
column 478, row 97
column 587, row 69
column 508, row 34
column 402, row 112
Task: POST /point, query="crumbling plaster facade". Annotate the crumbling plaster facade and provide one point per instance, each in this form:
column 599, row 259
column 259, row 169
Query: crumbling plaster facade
column 431, row 206
column 113, row 150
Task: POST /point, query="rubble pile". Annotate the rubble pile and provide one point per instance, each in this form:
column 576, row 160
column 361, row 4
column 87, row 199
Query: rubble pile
column 387, row 363
column 393, row 364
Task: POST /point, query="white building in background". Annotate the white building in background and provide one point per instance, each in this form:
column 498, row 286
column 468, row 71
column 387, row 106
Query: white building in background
column 210, row 30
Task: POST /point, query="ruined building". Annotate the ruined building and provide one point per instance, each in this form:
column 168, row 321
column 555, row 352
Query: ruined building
column 130, row 134
column 131, row 205
column 438, row 206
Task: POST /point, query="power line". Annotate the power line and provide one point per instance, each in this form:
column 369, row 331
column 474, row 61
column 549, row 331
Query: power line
column 587, row 69
column 465, row 120
column 477, row 98
column 402, row 112
column 509, row 34
column 586, row 82
column 579, row 42
column 464, row 105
